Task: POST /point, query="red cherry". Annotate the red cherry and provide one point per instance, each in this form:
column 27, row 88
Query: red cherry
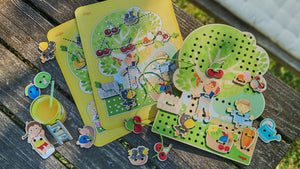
column 157, row 147
column 106, row 51
column 162, row 156
column 130, row 47
column 227, row 148
column 210, row 73
column 115, row 30
column 99, row 53
column 137, row 128
column 221, row 147
column 123, row 50
column 137, row 119
column 159, row 33
column 165, row 36
column 220, row 74
column 107, row 32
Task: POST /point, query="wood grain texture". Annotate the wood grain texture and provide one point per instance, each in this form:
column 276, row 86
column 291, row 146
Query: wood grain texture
column 17, row 153
column 180, row 156
column 23, row 29
column 225, row 16
column 60, row 11
column 14, row 76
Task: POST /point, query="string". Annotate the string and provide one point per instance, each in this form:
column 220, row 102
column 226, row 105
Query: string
column 161, row 138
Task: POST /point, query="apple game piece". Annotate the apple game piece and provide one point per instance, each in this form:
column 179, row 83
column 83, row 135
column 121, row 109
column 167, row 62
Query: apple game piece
column 258, row 84
column 37, row 139
column 32, row 91
column 215, row 70
column 132, row 124
column 185, row 123
column 267, row 131
column 162, row 156
column 87, row 136
column 42, row 80
column 243, row 79
column 138, row 156
column 47, row 49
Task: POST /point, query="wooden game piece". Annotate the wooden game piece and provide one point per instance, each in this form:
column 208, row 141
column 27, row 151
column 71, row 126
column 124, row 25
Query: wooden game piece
column 59, row 132
column 267, row 131
column 47, row 49
column 243, row 79
column 37, row 139
column 220, row 140
column 148, row 39
column 128, row 97
column 132, row 124
column 162, row 36
column 87, row 136
column 185, row 123
column 32, row 91
column 215, row 70
column 42, row 80
column 169, row 103
column 248, row 138
column 78, row 61
column 162, row 156
column 103, row 52
column 239, row 116
column 107, row 90
column 258, row 84
column 138, row 156
column 131, row 17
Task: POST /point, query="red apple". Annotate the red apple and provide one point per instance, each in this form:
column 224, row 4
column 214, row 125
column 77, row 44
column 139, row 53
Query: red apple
column 214, row 73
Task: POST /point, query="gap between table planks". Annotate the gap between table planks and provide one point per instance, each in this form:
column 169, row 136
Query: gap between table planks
column 185, row 25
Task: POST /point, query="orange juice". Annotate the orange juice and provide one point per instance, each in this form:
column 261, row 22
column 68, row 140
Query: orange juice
column 41, row 111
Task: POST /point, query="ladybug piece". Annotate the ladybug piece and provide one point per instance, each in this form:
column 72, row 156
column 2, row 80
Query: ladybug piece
column 132, row 124
column 162, row 156
column 87, row 136
column 47, row 49
column 258, row 84
column 32, row 91
column 138, row 156
column 131, row 17
column 215, row 70
column 162, row 36
column 112, row 29
column 103, row 52
column 243, row 79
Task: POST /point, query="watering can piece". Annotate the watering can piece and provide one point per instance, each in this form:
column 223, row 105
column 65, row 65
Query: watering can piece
column 267, row 131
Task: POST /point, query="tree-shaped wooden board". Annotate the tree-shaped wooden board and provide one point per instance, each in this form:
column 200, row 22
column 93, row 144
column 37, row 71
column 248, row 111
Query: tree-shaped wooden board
column 221, row 79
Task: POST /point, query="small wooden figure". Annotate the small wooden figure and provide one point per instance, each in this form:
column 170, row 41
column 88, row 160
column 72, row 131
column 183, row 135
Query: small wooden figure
column 87, row 136
column 267, row 131
column 248, row 138
column 258, row 84
column 243, row 79
column 162, row 156
column 59, row 132
column 37, row 139
column 239, row 115
column 131, row 17
column 138, row 156
column 47, row 49
column 185, row 123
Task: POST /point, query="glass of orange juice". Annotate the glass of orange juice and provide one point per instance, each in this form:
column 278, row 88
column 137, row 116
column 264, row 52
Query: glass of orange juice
column 41, row 111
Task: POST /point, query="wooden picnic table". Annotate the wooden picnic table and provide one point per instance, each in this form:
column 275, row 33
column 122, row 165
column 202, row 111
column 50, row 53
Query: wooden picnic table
column 25, row 23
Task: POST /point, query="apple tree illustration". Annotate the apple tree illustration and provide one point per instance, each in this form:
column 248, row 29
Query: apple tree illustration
column 234, row 51
column 134, row 34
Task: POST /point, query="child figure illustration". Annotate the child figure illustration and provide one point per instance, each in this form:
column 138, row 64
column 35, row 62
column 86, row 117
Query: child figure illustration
column 211, row 89
column 36, row 137
column 131, row 70
column 164, row 67
column 239, row 115
column 95, row 117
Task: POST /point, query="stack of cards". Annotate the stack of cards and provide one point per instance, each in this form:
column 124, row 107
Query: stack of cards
column 104, row 54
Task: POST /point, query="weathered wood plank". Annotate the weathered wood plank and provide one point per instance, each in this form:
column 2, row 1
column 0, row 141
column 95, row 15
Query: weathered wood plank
column 14, row 76
column 180, row 156
column 23, row 29
column 16, row 153
column 60, row 11
column 225, row 16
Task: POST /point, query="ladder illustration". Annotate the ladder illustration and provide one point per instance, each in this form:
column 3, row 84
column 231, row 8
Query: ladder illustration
column 59, row 132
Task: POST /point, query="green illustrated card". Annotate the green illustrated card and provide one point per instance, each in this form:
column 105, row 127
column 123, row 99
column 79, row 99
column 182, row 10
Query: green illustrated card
column 221, row 80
